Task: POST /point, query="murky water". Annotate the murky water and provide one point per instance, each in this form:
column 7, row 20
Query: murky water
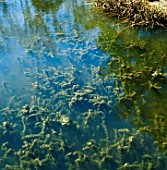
column 79, row 90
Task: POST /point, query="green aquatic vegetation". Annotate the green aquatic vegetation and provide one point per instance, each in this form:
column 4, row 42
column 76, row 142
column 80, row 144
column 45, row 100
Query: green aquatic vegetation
column 46, row 134
column 39, row 150
column 142, row 75
column 68, row 120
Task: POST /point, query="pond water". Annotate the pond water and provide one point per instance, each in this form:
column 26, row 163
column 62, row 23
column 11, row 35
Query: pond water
column 79, row 89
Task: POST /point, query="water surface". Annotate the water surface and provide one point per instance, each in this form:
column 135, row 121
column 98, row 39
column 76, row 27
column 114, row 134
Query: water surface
column 79, row 90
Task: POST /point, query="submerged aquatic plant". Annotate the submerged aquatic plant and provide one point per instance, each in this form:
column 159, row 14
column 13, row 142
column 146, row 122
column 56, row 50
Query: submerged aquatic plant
column 141, row 70
column 68, row 118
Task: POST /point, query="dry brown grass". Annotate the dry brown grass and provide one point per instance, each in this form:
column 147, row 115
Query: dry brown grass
column 138, row 12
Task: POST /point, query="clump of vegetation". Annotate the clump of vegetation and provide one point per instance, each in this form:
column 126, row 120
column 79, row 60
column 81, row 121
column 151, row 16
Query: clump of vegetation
column 141, row 71
column 138, row 12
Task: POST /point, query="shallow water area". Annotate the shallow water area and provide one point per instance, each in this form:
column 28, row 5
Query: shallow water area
column 79, row 90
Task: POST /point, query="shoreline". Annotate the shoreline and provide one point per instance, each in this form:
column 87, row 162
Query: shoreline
column 137, row 12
